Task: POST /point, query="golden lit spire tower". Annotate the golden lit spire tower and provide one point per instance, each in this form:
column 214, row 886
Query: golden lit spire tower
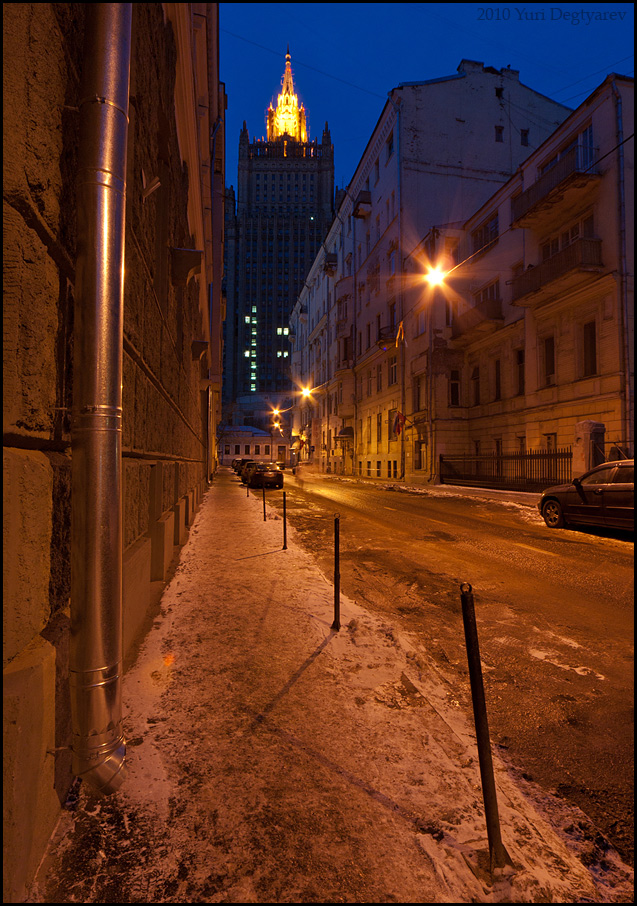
column 274, row 228
column 288, row 118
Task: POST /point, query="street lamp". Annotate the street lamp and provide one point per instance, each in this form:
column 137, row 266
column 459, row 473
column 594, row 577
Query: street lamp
column 277, row 423
column 436, row 276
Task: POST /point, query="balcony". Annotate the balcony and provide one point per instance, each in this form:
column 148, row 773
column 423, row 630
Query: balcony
column 386, row 337
column 558, row 273
column 572, row 174
column 343, row 289
column 363, row 204
column 343, row 327
column 330, row 262
column 483, row 318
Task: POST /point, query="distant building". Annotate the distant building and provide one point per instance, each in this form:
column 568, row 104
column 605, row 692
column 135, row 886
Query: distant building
column 240, row 441
column 274, row 228
column 440, row 149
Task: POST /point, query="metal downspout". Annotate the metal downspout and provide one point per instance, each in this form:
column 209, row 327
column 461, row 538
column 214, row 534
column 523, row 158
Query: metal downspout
column 98, row 745
column 621, row 211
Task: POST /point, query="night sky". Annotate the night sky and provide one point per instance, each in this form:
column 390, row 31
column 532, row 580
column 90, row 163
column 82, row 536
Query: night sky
column 346, row 57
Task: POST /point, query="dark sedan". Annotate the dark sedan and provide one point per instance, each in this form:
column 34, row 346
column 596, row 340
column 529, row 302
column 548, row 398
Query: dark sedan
column 603, row 496
column 265, row 475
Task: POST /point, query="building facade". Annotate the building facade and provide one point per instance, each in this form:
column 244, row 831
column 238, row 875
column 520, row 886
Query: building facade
column 140, row 383
column 274, row 228
column 439, row 150
column 242, row 441
column 528, row 344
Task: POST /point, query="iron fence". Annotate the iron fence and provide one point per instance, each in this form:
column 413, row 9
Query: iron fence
column 532, row 470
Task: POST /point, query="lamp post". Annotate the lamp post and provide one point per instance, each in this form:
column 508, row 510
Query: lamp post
column 277, row 423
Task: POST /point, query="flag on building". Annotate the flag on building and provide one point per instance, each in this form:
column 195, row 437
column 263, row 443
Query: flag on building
column 399, row 422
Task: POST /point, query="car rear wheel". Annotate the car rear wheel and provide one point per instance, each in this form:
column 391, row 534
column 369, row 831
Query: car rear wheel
column 553, row 515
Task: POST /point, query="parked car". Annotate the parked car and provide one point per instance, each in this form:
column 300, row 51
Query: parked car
column 246, row 469
column 603, row 496
column 265, row 475
column 242, row 467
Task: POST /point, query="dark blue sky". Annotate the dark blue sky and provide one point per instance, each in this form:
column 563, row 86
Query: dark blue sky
column 347, row 56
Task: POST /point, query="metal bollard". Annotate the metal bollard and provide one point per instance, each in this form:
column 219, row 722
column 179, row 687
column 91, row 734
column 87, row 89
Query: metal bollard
column 285, row 527
column 264, row 502
column 499, row 857
column 337, row 576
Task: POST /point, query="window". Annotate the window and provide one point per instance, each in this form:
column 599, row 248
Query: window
column 454, row 388
column 418, row 387
column 266, row 450
column 624, row 475
column 390, row 424
column 548, row 347
column 499, row 133
column 519, row 371
column 475, row 384
column 379, row 378
column 257, row 449
column 389, row 145
column 379, row 427
column 590, row 349
column 392, row 370
column 524, row 137
column 237, row 449
column 246, row 449
column 486, row 234
column 418, row 457
column 497, row 377
column 492, row 291
column 376, row 172
column 369, row 382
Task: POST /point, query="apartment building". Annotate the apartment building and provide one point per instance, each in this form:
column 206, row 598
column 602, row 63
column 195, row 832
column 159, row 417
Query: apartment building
column 531, row 339
column 439, row 150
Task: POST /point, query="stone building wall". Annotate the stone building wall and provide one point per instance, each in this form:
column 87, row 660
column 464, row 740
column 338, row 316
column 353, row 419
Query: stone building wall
column 164, row 413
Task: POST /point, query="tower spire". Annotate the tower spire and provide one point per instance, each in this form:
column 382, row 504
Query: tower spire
column 288, row 118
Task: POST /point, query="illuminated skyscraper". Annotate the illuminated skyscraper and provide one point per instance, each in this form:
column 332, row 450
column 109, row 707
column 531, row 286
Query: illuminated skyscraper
column 274, row 227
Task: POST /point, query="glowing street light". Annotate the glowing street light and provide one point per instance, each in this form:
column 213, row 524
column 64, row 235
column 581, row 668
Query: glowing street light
column 436, row 276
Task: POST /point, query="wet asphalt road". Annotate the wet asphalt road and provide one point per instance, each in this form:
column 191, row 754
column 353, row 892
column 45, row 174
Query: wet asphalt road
column 555, row 618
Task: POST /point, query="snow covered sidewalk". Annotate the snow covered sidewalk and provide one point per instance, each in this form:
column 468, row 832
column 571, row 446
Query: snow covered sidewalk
column 272, row 759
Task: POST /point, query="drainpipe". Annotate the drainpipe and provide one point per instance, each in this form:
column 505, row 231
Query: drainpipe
column 96, row 517
column 621, row 211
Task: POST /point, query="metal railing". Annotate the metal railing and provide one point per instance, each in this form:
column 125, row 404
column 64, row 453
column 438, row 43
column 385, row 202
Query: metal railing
column 581, row 253
column 578, row 161
column 532, row 470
